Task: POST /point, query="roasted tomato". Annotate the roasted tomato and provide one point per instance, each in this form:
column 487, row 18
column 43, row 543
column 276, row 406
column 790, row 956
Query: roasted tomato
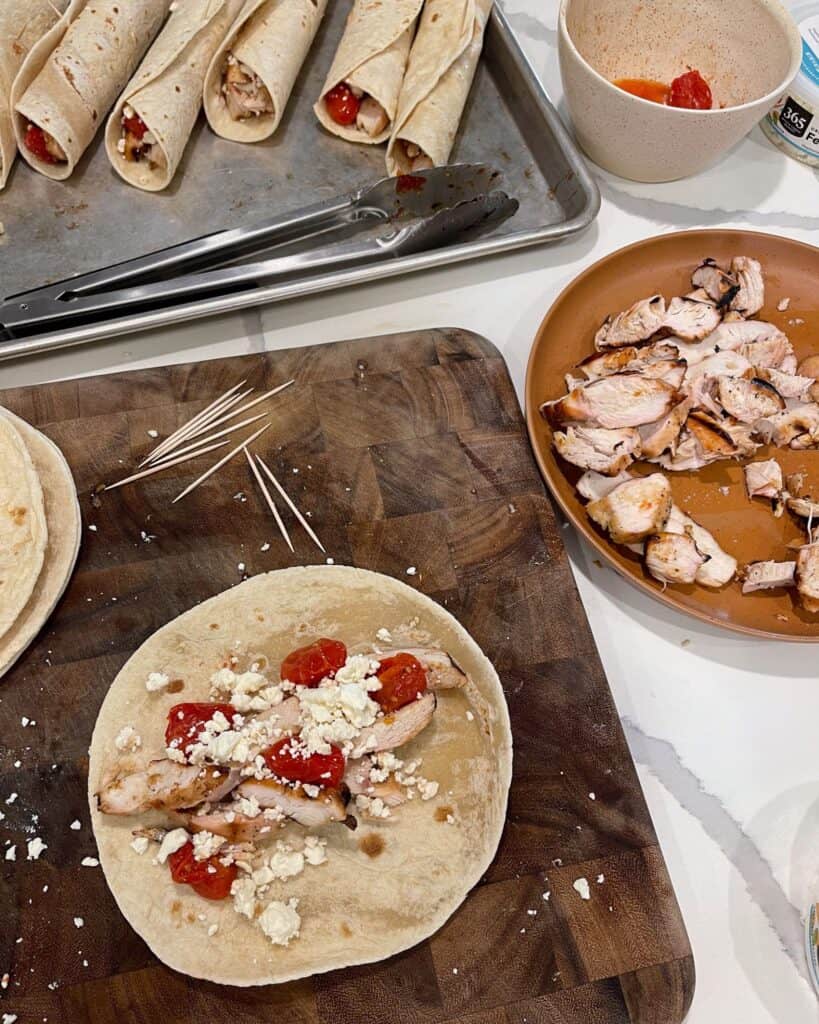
column 318, row 769
column 691, row 91
column 185, row 722
column 35, row 142
column 342, row 104
column 402, row 679
column 307, row 666
column 135, row 125
column 209, row 878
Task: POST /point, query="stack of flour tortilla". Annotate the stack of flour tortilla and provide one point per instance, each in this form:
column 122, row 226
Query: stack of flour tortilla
column 39, row 533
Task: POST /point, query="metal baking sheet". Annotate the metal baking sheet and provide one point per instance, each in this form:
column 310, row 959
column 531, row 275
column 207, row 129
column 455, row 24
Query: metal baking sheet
column 57, row 229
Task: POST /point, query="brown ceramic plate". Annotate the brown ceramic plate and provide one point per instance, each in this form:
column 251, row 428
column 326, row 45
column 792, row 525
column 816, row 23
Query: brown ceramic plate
column 715, row 496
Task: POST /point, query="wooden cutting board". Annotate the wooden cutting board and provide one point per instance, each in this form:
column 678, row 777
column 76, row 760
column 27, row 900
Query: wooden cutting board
column 409, row 451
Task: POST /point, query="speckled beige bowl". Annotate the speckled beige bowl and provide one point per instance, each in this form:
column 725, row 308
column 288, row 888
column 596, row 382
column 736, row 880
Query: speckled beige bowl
column 748, row 50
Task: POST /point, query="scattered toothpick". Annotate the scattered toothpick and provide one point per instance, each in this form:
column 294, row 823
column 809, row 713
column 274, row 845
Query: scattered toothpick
column 270, row 501
column 166, row 465
column 216, row 404
column 220, row 463
column 207, row 440
column 289, row 501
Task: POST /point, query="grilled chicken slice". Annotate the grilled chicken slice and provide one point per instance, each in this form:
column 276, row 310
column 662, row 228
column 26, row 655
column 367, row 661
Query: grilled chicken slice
column 672, row 371
column 604, row 364
column 768, row 576
column 691, row 320
column 223, row 820
column 807, row 577
column 358, row 781
column 396, row 728
column 688, row 456
column 720, row 286
column 797, row 427
column 763, row 479
column 443, row 672
column 245, row 93
column 634, row 510
column 663, row 435
column 749, row 400
column 673, row 558
column 713, row 438
column 606, row 451
column 636, row 324
column 286, row 715
column 721, row 364
column 804, row 507
column 775, row 353
column 732, row 336
column 751, row 295
column 371, row 118
column 622, row 400
column 165, row 785
column 593, row 486
column 293, row 802
column 788, row 385
column 719, row 567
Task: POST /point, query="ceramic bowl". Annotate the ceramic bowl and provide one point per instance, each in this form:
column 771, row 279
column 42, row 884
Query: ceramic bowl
column 749, row 52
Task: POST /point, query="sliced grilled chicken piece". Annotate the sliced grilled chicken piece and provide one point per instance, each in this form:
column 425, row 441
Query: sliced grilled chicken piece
column 789, row 385
column 774, row 353
column 749, row 400
column 443, row 672
column 358, row 781
column 804, row 507
column 593, row 486
column 672, row 371
column 286, row 715
column 714, row 440
column 719, row 567
column 633, row 325
column 634, row 510
column 721, row 364
column 797, row 427
column 371, row 118
column 768, row 576
column 603, row 364
column 224, row 820
column 622, row 400
column 700, row 295
column 715, row 282
column 691, row 320
column 688, row 456
column 165, row 785
column 807, row 577
column 730, row 336
column 293, row 802
column 763, row 479
column 396, row 728
column 663, row 435
column 673, row 558
column 606, row 451
column 751, row 295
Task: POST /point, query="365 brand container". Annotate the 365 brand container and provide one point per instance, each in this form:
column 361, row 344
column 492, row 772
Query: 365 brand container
column 793, row 124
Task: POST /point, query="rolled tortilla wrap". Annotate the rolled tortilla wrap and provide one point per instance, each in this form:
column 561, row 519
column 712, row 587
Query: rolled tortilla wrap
column 22, row 24
column 263, row 53
column 371, row 59
column 70, row 80
column 442, row 64
column 165, row 95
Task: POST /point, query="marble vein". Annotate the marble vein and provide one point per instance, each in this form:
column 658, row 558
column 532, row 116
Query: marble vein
column 662, row 760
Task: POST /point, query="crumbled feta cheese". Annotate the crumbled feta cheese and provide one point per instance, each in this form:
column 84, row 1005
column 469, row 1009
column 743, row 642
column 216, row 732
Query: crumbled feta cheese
column 140, row 844
column 90, row 862
column 427, row 789
column 35, row 847
column 314, row 850
column 121, row 145
column 214, row 928
column 11, row 799
column 152, row 432
column 283, row 863
column 384, row 635
column 173, row 841
column 470, row 717
column 206, row 844
column 311, row 790
column 243, row 891
column 592, row 796
column 450, row 819
column 76, row 825
column 128, row 739
column 9, row 1018
column 373, row 806
column 156, row 681
column 248, row 806
column 280, row 921
column 11, row 853
column 335, row 712
column 783, row 305
column 601, row 879
column 411, row 571
column 581, row 886
column 78, row 922
column 547, row 895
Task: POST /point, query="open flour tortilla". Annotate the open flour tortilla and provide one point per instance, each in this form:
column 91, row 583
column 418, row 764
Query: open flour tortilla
column 442, row 64
column 166, row 91
column 71, row 78
column 22, row 24
column 62, row 512
column 273, row 38
column 23, row 528
column 358, row 907
column 372, row 56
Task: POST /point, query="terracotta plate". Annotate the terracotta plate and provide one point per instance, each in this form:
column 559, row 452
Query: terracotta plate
column 715, row 496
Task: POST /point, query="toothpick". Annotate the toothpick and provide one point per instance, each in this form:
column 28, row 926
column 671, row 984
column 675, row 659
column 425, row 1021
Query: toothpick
column 163, row 445
column 190, row 429
column 220, row 463
column 166, row 465
column 270, row 501
column 249, row 405
column 206, row 440
column 293, row 508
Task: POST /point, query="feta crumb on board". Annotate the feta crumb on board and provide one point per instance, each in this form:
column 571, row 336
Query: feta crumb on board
column 9, row 1018
column 35, row 847
column 156, row 681
column 128, row 739
column 90, row 862
column 78, row 922
column 75, row 825
column 11, row 853
column 581, row 886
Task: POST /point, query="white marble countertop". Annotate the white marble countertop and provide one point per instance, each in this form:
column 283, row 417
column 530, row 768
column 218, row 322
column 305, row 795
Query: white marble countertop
column 721, row 727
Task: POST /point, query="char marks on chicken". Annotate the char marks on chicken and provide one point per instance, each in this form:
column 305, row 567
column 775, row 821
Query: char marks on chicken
column 633, row 510
column 764, row 479
column 605, row 451
column 716, row 283
column 622, row 400
column 635, row 324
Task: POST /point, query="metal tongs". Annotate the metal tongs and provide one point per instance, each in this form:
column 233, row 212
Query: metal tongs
column 411, row 213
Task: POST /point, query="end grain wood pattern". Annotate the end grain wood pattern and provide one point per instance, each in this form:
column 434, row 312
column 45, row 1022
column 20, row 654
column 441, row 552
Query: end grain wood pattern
column 408, row 451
